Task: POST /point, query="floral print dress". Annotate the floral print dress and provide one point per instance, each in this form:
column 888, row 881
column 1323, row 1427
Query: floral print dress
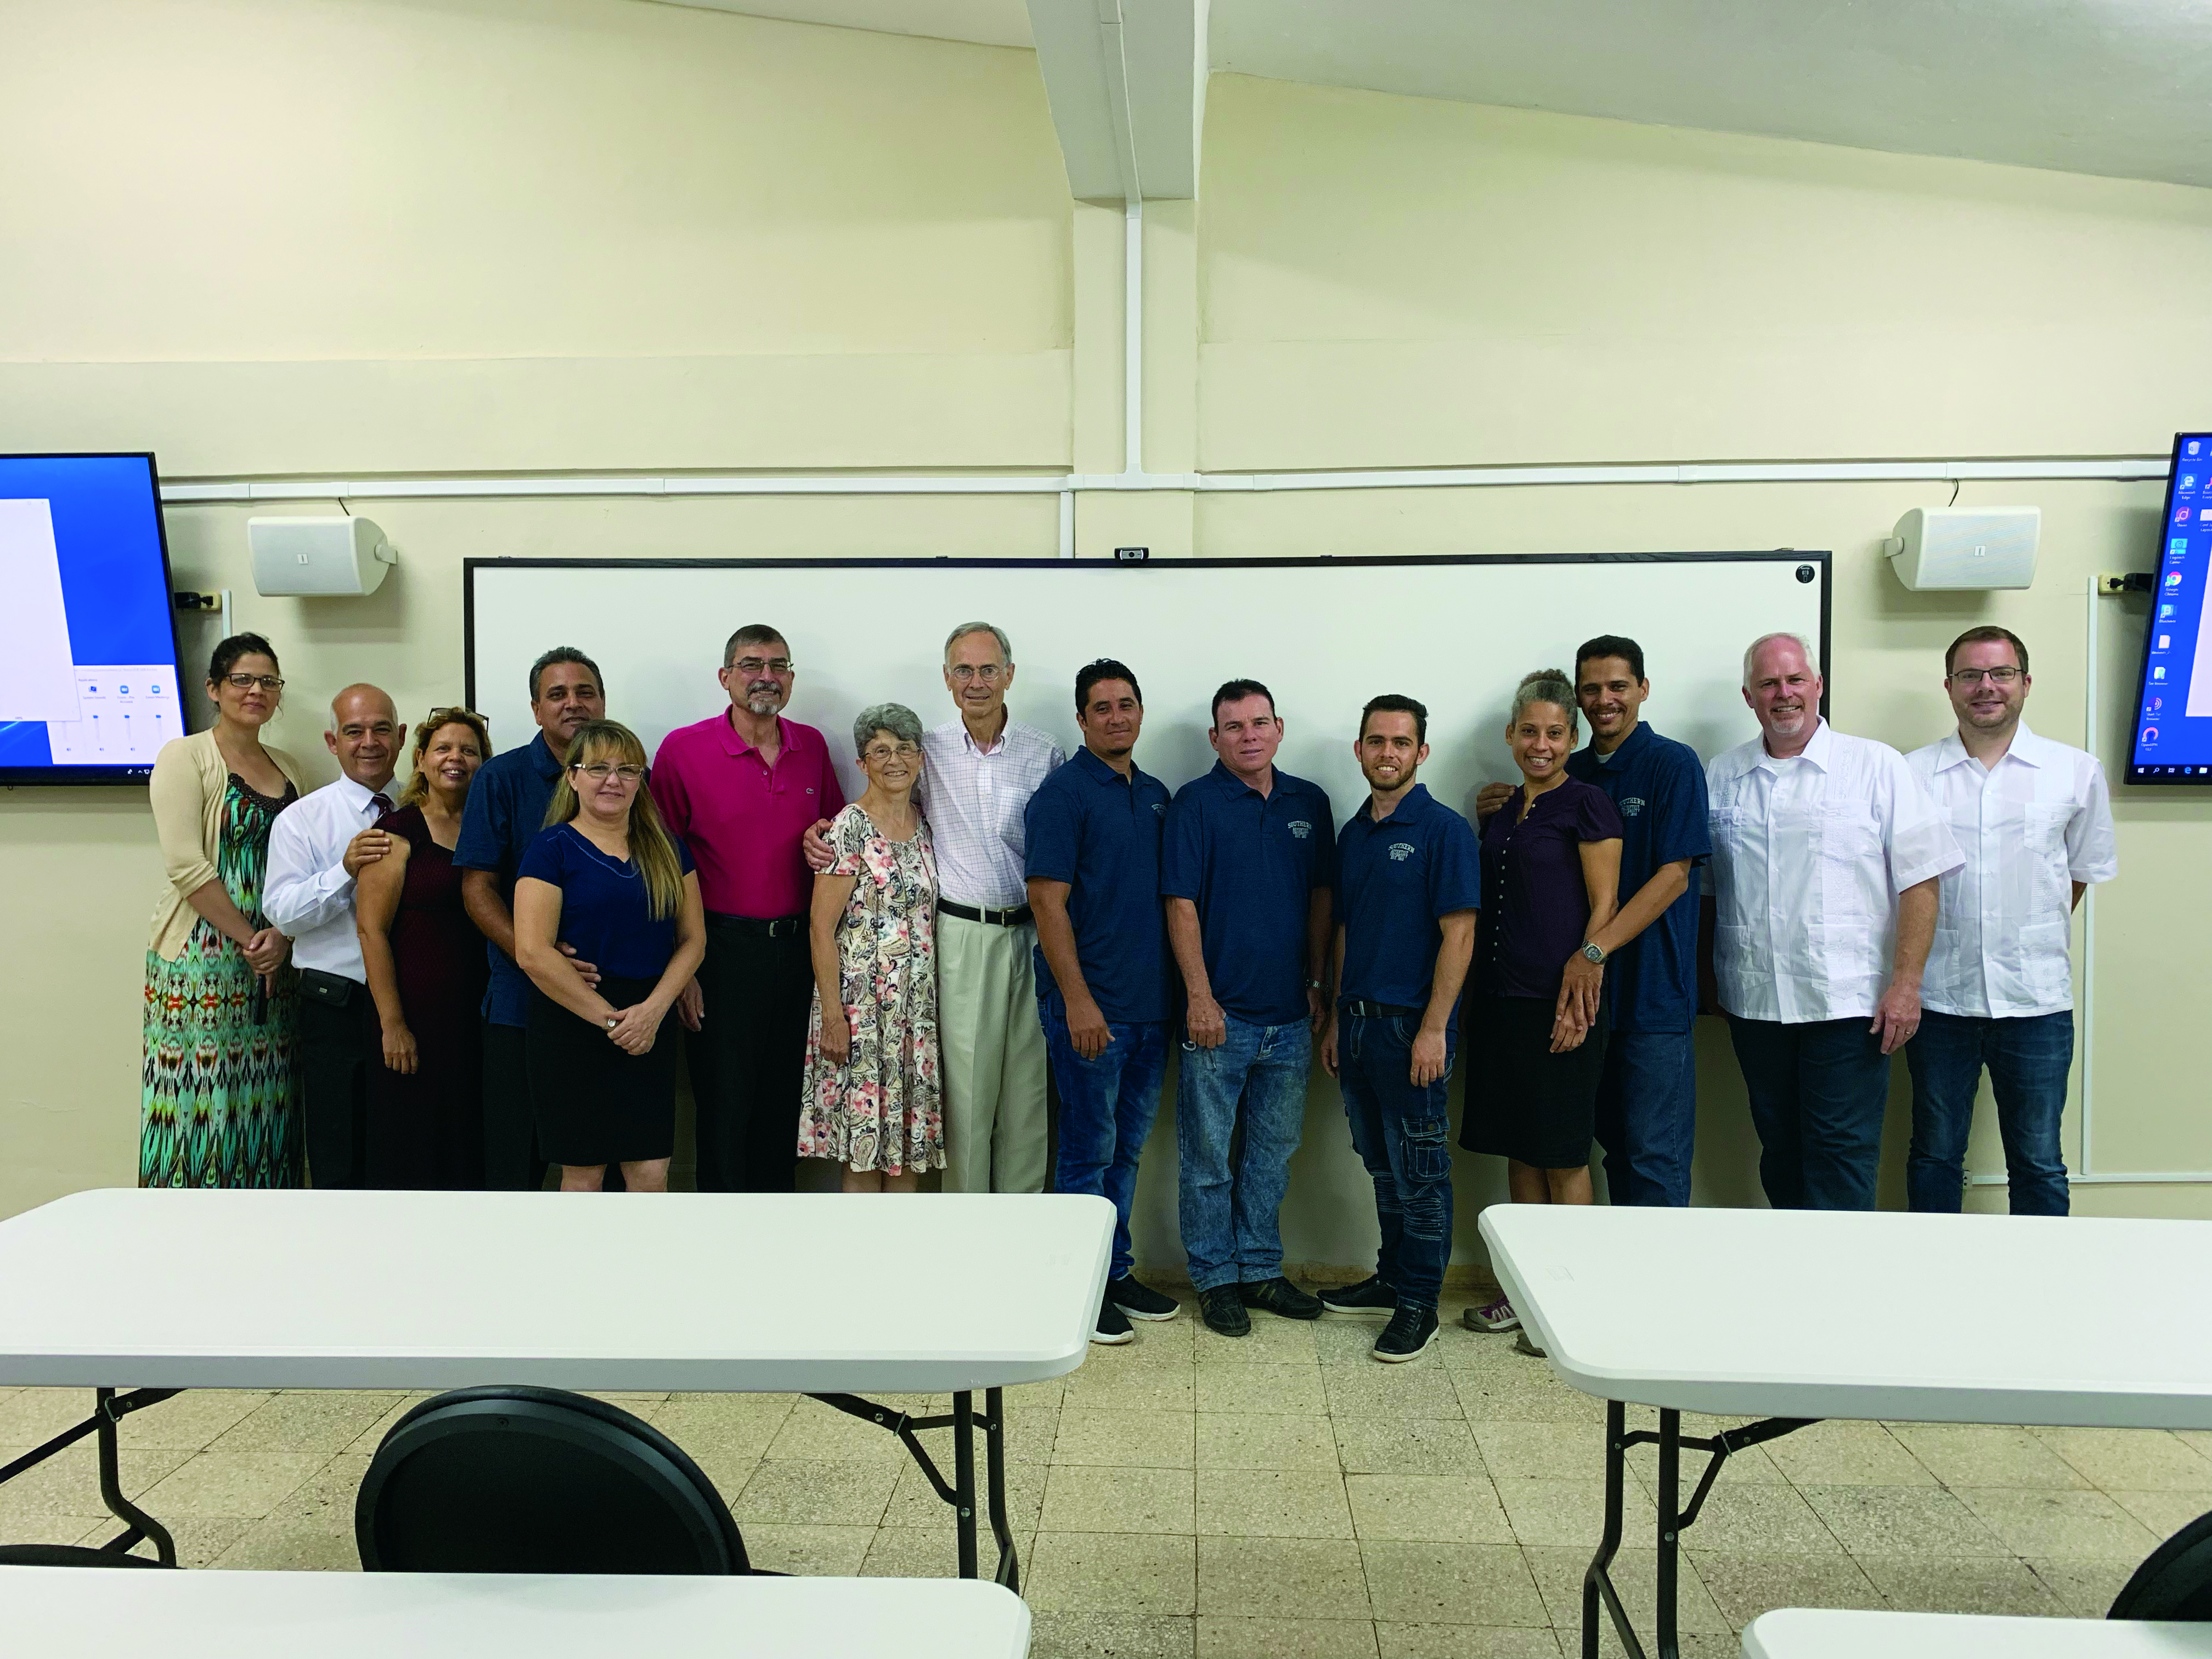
column 882, row 1109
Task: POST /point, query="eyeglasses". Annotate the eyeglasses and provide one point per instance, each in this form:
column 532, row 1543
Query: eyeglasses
column 247, row 681
column 989, row 673
column 881, row 752
column 778, row 666
column 600, row 771
column 1976, row 676
column 455, row 715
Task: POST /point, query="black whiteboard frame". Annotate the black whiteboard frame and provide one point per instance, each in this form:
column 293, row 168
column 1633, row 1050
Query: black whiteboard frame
column 1822, row 562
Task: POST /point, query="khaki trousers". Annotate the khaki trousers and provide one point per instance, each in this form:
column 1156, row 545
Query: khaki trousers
column 992, row 1050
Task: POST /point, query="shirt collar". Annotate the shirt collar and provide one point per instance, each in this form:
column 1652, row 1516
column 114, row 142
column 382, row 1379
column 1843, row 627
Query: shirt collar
column 2026, row 747
column 542, row 759
column 1815, row 751
column 1230, row 784
column 1102, row 773
column 1005, row 732
column 1625, row 750
column 357, row 796
column 1410, row 807
column 733, row 744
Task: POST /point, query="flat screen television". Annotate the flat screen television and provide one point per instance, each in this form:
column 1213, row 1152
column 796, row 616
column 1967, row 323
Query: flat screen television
column 2172, row 736
column 89, row 690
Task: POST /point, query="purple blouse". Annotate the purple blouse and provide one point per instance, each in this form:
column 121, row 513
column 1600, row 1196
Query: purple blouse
column 1535, row 907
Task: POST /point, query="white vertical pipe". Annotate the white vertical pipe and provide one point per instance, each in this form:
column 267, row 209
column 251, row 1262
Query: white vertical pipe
column 227, row 628
column 1132, row 335
column 2092, row 673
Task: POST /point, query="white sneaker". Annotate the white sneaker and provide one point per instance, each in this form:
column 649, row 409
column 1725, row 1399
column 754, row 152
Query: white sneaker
column 1498, row 1315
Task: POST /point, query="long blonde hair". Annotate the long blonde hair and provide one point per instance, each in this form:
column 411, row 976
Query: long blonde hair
column 652, row 848
column 418, row 781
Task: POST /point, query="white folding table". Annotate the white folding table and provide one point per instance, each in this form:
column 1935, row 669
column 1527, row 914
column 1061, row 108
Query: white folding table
column 830, row 1295
column 1793, row 1316
column 1804, row 1634
column 67, row 1613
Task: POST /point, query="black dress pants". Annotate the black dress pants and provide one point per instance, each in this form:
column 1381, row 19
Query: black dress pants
column 511, row 1162
column 333, row 1047
column 749, row 1058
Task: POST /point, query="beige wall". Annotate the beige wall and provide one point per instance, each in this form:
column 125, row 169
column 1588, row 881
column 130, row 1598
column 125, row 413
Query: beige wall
column 339, row 237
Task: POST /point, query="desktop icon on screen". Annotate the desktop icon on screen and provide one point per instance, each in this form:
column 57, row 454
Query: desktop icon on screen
column 2173, row 579
column 2164, row 642
column 2188, row 481
column 2166, row 613
column 2191, row 447
column 2150, row 734
column 2157, row 673
column 2181, row 515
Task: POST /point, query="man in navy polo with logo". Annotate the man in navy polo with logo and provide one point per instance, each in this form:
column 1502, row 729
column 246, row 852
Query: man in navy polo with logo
column 1408, row 880
column 1093, row 830
column 1246, row 874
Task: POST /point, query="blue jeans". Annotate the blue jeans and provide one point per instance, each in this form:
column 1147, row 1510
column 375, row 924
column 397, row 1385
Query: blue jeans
column 1647, row 1116
column 2028, row 1060
column 1400, row 1134
column 1107, row 1106
column 1818, row 1092
column 1231, row 1229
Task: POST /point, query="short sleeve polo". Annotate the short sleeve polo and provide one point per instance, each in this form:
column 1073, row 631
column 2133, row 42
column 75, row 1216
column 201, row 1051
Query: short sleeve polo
column 1395, row 882
column 1658, row 787
column 1100, row 833
column 1250, row 863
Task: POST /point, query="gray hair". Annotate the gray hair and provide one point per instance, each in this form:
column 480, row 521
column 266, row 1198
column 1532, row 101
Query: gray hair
column 1751, row 652
column 1005, row 645
column 1544, row 685
column 896, row 718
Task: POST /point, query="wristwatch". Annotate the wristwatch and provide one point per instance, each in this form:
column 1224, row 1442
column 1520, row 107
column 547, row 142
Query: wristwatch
column 1595, row 953
column 613, row 1020
column 1313, row 985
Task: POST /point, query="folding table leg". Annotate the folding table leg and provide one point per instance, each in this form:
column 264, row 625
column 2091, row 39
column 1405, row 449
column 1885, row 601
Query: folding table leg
column 1669, row 1497
column 964, row 1478
column 1597, row 1582
column 960, row 1491
column 142, row 1524
column 994, row 1462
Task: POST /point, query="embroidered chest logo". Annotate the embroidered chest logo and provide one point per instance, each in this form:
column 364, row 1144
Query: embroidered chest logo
column 1301, row 829
column 1161, row 807
column 1400, row 851
column 1631, row 806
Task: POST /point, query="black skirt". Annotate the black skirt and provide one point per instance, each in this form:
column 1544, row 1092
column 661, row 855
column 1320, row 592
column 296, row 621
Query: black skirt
column 593, row 1103
column 1523, row 1101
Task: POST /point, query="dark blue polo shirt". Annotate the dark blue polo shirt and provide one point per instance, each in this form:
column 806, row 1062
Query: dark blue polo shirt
column 1100, row 833
column 1658, row 785
column 505, row 813
column 1395, row 881
column 1250, row 863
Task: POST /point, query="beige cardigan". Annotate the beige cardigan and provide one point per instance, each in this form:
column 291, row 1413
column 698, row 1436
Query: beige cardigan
column 191, row 778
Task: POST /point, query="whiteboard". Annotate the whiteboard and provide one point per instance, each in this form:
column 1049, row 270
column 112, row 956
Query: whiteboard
column 1323, row 634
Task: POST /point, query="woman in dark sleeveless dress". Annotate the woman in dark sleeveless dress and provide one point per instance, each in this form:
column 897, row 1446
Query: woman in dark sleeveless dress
column 425, row 972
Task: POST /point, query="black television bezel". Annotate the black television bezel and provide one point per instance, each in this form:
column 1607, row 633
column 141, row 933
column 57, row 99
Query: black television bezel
column 2146, row 777
column 44, row 777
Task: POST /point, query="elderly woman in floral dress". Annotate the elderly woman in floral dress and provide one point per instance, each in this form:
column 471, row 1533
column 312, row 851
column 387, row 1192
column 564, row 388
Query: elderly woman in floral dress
column 870, row 1099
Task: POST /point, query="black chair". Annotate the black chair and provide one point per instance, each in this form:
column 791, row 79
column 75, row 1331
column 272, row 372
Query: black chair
column 523, row 1479
column 68, row 1555
column 2175, row 1581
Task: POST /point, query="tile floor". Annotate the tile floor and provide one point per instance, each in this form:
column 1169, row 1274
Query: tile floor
column 1277, row 1496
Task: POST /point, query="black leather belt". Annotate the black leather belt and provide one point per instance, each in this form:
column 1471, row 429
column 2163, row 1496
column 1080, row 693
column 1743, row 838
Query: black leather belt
column 758, row 926
column 1379, row 1010
column 1013, row 918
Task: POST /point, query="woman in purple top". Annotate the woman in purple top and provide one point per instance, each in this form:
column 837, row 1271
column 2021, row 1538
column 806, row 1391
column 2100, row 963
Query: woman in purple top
column 1550, row 878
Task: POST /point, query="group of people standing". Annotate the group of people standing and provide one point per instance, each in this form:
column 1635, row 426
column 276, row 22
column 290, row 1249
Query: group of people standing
column 470, row 979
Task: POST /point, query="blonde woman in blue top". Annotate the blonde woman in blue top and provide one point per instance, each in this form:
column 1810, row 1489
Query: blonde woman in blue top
column 606, row 877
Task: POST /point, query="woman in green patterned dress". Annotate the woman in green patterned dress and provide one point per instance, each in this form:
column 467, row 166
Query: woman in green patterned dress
column 216, row 1100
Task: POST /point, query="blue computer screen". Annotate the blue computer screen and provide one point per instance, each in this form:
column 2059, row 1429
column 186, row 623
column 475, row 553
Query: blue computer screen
column 88, row 685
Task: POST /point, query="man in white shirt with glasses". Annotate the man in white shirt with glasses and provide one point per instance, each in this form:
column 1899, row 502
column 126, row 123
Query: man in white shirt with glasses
column 1826, row 850
column 2034, row 820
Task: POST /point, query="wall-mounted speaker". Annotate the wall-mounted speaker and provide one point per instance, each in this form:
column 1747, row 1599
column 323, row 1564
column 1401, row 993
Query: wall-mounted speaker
column 318, row 557
column 1965, row 547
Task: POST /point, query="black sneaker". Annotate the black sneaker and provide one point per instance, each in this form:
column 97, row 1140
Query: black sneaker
column 1140, row 1301
column 1110, row 1328
column 1223, row 1312
column 1370, row 1298
column 1277, row 1295
column 1412, row 1329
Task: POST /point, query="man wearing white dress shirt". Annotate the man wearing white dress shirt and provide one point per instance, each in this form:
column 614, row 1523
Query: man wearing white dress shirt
column 1826, row 851
column 2034, row 820
column 316, row 847
column 979, row 771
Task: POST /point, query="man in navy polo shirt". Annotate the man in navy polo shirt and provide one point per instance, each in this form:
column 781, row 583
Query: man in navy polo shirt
column 1647, row 1102
column 1246, row 874
column 1408, row 880
column 1093, row 830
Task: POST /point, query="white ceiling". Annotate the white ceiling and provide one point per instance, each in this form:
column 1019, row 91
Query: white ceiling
column 2116, row 86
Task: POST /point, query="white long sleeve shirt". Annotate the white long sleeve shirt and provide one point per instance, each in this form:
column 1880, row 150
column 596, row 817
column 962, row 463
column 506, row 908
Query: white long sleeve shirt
column 306, row 892
column 1809, row 855
column 2030, row 827
column 974, row 800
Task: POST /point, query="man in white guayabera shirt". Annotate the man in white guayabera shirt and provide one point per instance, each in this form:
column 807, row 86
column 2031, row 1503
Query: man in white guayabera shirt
column 2034, row 821
column 1826, row 850
column 979, row 772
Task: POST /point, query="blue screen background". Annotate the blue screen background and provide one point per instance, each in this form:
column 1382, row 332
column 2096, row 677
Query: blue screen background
column 115, row 589
column 2183, row 570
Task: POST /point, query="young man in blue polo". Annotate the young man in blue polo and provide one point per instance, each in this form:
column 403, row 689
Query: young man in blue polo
column 1093, row 829
column 1408, row 881
column 1246, row 874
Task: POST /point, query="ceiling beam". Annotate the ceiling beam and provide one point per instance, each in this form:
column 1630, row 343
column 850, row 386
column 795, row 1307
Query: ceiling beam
column 1125, row 80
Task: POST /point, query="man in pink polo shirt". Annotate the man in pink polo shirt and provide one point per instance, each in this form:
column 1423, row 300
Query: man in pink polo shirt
column 741, row 788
